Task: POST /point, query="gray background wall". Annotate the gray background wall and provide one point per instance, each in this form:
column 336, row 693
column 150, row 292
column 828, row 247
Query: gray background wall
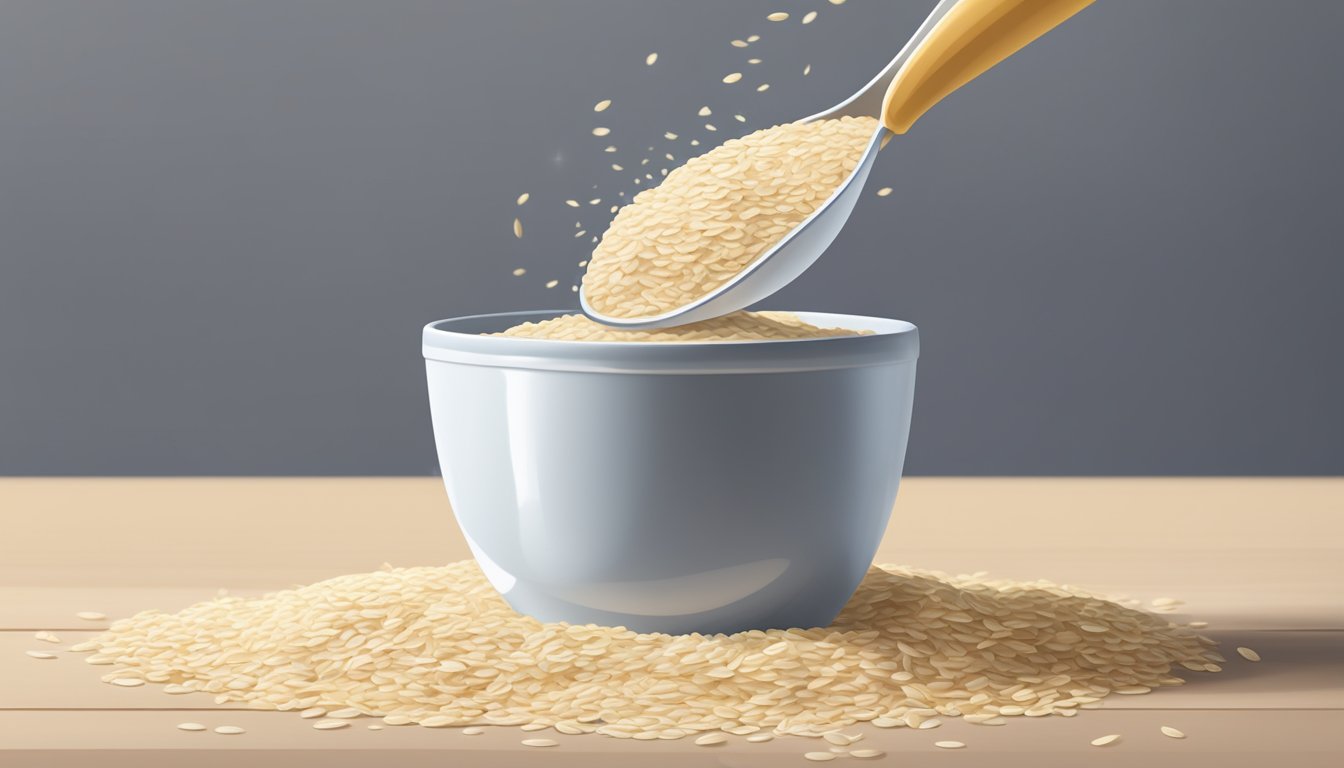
column 223, row 223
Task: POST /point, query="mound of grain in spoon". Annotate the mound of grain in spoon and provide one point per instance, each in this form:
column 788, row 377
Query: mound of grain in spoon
column 712, row 217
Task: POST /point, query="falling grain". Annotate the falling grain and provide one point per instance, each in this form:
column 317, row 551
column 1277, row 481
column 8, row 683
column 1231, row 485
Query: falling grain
column 1248, row 654
column 602, row 105
column 1105, row 740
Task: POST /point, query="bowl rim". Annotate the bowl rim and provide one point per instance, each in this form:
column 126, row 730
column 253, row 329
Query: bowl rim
column 460, row 340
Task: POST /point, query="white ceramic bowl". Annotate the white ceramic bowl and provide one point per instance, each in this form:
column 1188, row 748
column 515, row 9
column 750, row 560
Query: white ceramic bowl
column 669, row 487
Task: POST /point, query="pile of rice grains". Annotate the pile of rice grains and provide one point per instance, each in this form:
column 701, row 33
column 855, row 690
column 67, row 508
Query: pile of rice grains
column 438, row 647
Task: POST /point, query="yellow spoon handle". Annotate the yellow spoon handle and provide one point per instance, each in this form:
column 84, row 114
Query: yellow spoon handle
column 973, row 36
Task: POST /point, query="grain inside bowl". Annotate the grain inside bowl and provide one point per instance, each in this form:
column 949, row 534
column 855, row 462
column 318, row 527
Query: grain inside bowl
column 712, row 217
column 738, row 326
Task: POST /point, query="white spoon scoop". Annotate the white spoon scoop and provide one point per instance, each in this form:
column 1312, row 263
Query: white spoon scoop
column 959, row 41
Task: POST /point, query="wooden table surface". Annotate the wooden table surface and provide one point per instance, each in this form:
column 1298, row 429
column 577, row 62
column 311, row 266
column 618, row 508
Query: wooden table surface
column 1262, row 560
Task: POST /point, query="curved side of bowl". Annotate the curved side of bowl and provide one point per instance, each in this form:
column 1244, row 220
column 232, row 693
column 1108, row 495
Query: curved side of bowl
column 716, row 500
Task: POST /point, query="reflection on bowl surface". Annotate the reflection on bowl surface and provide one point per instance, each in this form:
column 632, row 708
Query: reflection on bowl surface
column 689, row 487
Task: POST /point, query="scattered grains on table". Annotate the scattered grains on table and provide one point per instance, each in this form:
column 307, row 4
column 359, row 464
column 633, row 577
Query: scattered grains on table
column 883, row 192
column 348, row 713
column 552, row 283
column 1248, row 654
column 1197, row 624
column 739, row 43
column 473, row 731
column 40, row 654
column 190, row 727
column 91, row 616
column 710, row 739
column 710, row 218
column 1105, row 740
column 819, row 757
column 374, row 727
column 229, row 730
column 867, row 754
column 46, row 637
column 539, row 742
column 651, row 59
column 778, row 16
column 1174, row 733
column 331, row 725
column 710, row 127
column 312, row 712
column 740, row 118
column 127, row 682
column 949, row 744
column 760, row 738
column 438, row 646
column 836, row 738
column 602, row 105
